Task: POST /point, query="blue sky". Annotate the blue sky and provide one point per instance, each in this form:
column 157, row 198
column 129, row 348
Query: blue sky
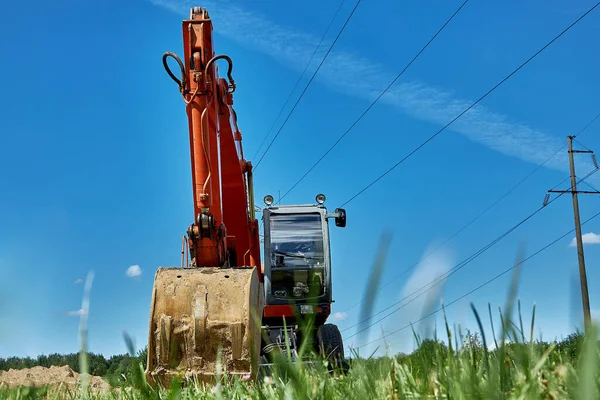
column 94, row 157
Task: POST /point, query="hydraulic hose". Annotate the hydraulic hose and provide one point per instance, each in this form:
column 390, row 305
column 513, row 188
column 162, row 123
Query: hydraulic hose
column 229, row 69
column 180, row 83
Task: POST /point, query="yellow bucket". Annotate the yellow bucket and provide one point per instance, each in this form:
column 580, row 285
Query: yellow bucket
column 197, row 313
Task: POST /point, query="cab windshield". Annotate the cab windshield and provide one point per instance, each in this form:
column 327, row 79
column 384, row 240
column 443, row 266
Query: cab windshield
column 296, row 240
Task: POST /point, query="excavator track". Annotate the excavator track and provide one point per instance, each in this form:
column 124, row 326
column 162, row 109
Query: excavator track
column 198, row 314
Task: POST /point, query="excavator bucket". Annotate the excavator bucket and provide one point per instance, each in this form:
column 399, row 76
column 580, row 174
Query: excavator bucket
column 197, row 314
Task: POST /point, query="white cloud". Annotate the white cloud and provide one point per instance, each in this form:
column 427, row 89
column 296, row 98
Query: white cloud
column 588, row 238
column 134, row 271
column 78, row 281
column 338, row 317
column 419, row 287
column 360, row 77
column 419, row 298
column 77, row 313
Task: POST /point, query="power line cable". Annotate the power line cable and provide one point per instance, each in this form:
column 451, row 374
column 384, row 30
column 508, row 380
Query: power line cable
column 585, row 127
column 376, row 100
column 483, row 284
column 595, row 164
column 471, row 106
column 299, row 79
column 441, row 278
column 472, row 221
column 579, row 143
column 308, row 84
column 453, row 270
column 438, row 247
column 592, row 187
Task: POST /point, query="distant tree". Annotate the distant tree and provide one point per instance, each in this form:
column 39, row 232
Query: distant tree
column 472, row 342
column 425, row 358
column 402, row 357
column 143, row 356
column 98, row 365
column 571, row 346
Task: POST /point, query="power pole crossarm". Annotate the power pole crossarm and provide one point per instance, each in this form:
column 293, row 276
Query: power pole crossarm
column 578, row 192
column 581, row 151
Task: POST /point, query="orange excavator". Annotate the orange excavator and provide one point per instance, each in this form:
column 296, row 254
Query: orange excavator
column 223, row 308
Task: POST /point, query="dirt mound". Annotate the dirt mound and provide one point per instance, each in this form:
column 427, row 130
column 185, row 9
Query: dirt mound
column 53, row 377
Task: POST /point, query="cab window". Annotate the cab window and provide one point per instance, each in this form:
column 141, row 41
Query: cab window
column 296, row 240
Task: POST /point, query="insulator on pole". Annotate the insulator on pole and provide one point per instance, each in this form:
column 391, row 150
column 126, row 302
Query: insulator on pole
column 546, row 199
column 594, row 160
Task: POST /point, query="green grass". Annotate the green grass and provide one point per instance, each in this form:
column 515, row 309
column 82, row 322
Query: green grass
column 460, row 367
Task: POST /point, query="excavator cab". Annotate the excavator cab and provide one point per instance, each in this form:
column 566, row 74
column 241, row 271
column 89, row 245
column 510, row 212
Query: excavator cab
column 297, row 274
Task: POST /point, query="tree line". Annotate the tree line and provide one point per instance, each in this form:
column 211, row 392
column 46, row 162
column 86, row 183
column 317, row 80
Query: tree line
column 113, row 369
column 118, row 368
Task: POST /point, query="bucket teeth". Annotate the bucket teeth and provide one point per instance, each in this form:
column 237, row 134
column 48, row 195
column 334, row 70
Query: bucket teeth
column 199, row 310
column 164, row 339
column 236, row 341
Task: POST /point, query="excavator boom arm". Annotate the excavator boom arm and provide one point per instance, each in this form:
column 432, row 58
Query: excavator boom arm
column 224, row 228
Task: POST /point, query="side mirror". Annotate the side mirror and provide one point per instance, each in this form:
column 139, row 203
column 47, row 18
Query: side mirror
column 340, row 220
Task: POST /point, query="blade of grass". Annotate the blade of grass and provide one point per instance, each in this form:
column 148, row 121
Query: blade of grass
column 492, row 324
column 532, row 324
column 372, row 286
column 485, row 353
column 521, row 321
column 83, row 332
column 588, row 385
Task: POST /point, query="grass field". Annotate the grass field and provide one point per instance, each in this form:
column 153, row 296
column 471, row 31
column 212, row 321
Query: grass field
column 458, row 368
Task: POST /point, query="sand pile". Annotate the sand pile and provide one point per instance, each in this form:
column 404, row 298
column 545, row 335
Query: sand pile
column 53, row 376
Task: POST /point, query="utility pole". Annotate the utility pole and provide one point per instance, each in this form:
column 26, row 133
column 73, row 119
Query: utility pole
column 582, row 273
